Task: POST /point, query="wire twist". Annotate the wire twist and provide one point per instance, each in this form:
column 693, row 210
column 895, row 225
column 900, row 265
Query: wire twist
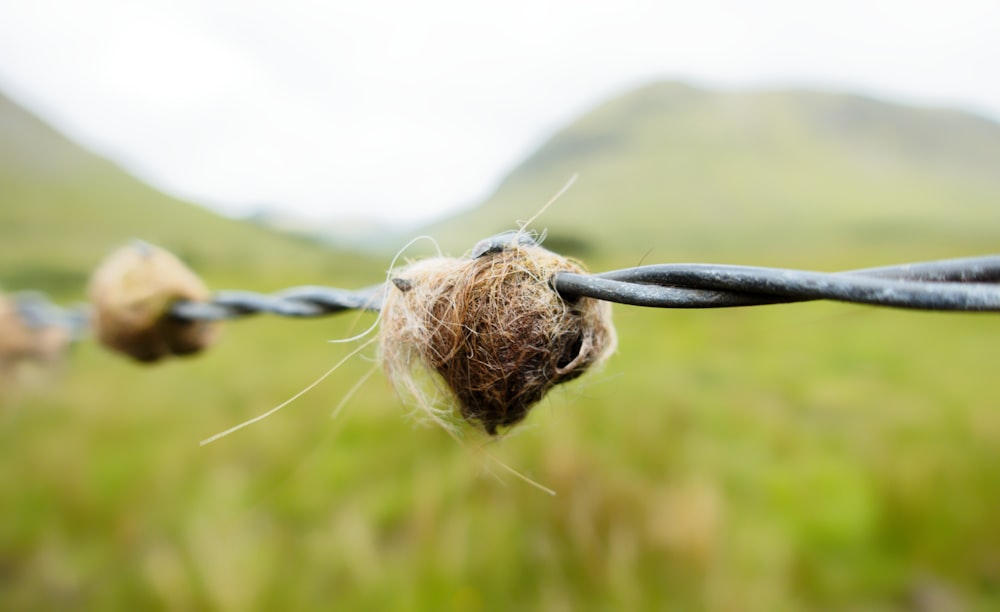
column 967, row 284
column 297, row 302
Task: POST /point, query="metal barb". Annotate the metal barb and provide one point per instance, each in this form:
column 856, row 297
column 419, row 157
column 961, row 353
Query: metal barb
column 501, row 242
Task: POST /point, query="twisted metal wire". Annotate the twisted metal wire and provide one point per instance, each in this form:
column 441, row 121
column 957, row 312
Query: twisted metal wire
column 297, row 302
column 970, row 284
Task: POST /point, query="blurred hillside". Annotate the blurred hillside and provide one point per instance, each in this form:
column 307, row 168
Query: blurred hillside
column 674, row 172
column 62, row 208
column 798, row 457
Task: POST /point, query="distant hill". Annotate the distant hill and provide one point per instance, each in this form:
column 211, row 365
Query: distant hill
column 674, row 172
column 62, row 208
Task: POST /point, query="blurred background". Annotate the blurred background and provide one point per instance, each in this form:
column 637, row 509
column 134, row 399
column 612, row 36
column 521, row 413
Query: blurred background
column 809, row 456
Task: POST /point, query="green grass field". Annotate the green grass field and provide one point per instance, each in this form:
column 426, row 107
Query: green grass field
column 797, row 457
column 792, row 457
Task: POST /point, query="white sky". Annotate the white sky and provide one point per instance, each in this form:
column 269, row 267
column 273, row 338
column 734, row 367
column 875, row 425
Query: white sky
column 406, row 110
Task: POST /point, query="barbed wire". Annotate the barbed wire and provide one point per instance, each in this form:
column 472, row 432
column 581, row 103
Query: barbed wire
column 968, row 284
column 143, row 298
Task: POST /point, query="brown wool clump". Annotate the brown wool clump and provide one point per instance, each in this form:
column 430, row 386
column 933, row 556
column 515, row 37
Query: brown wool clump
column 493, row 330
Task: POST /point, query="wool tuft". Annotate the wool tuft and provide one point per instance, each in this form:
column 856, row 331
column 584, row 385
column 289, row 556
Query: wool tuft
column 492, row 331
column 132, row 292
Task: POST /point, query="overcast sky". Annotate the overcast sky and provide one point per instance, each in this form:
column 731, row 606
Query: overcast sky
column 407, row 110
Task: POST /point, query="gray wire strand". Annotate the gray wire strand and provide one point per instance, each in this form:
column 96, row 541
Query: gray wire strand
column 970, row 284
column 951, row 285
column 297, row 302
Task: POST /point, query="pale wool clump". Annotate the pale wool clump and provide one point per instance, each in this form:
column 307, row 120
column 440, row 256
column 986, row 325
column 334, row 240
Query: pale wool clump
column 132, row 292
